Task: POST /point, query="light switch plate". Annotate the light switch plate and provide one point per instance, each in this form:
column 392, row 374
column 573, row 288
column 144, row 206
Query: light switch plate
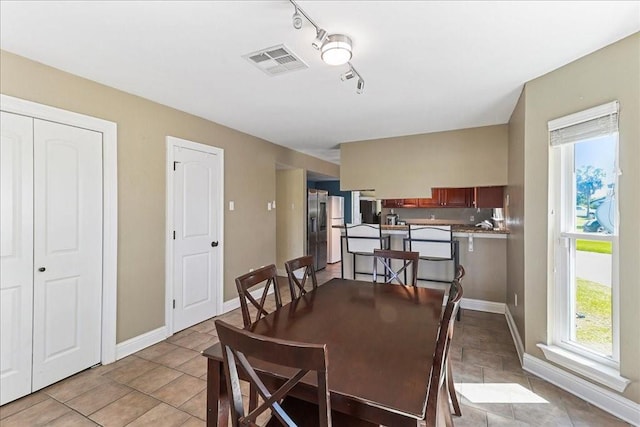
column 268, row 206
column 232, row 205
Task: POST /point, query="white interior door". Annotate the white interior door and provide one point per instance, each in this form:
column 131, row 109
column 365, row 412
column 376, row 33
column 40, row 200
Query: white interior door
column 196, row 249
column 67, row 251
column 16, row 255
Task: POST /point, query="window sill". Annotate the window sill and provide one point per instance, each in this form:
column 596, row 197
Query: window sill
column 593, row 370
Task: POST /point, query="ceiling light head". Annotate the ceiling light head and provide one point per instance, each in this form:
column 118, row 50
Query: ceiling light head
column 297, row 20
column 347, row 76
column 360, row 86
column 336, row 49
column 321, row 35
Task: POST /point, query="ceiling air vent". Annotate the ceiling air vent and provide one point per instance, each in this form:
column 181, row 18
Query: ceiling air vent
column 275, row 60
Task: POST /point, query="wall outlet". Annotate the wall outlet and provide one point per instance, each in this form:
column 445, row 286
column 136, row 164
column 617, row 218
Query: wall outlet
column 273, row 204
column 472, row 218
column 516, row 300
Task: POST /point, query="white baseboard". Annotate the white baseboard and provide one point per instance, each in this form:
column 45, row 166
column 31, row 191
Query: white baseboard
column 234, row 303
column 140, row 342
column 604, row 399
column 481, row 305
column 514, row 333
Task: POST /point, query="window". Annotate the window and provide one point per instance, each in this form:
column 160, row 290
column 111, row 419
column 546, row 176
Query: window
column 585, row 232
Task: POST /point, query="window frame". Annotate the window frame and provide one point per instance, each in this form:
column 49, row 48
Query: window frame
column 564, row 237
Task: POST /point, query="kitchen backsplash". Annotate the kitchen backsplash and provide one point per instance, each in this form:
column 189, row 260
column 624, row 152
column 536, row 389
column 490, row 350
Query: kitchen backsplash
column 457, row 214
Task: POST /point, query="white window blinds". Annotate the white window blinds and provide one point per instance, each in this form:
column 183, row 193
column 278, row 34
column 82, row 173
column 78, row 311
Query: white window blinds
column 597, row 121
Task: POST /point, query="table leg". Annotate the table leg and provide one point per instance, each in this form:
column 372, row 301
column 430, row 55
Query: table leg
column 217, row 396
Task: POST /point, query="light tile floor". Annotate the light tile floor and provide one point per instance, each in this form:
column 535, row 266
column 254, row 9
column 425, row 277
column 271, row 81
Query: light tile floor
column 164, row 385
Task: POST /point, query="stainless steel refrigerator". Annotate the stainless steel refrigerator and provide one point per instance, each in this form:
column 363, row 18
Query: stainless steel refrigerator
column 317, row 227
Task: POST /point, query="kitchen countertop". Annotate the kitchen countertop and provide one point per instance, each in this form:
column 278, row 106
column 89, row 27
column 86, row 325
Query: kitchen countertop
column 455, row 228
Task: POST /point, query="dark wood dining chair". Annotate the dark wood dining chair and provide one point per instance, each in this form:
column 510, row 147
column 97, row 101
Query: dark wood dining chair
column 458, row 275
column 438, row 397
column 455, row 295
column 297, row 285
column 391, row 274
column 243, row 350
column 266, row 276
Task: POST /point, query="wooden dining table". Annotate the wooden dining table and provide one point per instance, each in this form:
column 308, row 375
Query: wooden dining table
column 380, row 342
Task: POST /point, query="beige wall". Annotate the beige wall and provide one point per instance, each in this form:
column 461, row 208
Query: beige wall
column 250, row 181
column 611, row 73
column 515, row 217
column 290, row 215
column 410, row 166
column 485, row 268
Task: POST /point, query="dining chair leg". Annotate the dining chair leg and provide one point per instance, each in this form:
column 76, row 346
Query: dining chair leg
column 253, row 398
column 444, row 410
column 452, row 391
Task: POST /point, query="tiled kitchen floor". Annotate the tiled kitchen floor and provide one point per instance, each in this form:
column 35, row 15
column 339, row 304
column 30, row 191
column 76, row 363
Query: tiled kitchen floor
column 164, row 385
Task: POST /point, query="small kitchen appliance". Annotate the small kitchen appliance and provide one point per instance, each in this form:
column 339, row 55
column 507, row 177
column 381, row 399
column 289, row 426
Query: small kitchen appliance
column 392, row 218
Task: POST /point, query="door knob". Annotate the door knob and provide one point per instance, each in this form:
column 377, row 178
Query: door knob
column 214, row 244
column 41, row 269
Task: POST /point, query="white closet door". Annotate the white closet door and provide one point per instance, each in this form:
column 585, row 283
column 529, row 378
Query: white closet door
column 67, row 251
column 16, row 255
column 196, row 250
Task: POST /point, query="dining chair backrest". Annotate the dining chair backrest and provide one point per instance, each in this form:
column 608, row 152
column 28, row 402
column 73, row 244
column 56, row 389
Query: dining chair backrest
column 363, row 238
column 437, row 398
column 297, row 285
column 393, row 274
column 242, row 349
column 455, row 295
column 266, row 276
column 431, row 242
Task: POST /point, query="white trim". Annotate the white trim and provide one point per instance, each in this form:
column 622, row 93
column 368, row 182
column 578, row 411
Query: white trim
column 109, row 132
column 234, row 303
column 589, row 368
column 172, row 142
column 281, row 272
column 141, row 342
column 481, row 305
column 514, row 333
column 604, row 399
column 583, row 116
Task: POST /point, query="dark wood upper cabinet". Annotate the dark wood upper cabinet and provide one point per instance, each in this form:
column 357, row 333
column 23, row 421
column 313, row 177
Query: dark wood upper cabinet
column 392, row 203
column 456, row 197
column 489, row 197
column 433, row 202
column 468, row 197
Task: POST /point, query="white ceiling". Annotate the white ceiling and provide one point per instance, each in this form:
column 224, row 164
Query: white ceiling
column 428, row 65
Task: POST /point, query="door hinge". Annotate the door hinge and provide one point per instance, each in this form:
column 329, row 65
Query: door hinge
column 174, row 304
column 174, row 234
column 174, row 165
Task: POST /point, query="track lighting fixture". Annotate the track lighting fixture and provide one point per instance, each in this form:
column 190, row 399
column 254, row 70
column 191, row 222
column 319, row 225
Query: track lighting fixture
column 297, row 19
column 335, row 49
column 347, row 76
column 321, row 35
column 351, row 74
